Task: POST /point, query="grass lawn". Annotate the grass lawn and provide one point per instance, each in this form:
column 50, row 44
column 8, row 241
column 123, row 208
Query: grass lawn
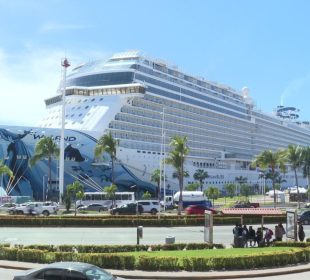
column 213, row 253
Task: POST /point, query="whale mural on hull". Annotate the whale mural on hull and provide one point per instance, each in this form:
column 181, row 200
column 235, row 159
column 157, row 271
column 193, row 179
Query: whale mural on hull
column 17, row 145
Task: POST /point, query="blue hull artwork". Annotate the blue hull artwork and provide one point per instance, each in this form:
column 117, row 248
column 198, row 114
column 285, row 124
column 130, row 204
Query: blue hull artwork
column 17, row 145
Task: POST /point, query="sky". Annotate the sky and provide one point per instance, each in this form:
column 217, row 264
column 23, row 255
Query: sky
column 261, row 44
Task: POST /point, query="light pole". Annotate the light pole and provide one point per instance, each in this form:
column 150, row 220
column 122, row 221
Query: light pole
column 65, row 64
column 162, row 162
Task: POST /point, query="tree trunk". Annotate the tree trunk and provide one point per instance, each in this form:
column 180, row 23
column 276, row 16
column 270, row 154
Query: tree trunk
column 180, row 206
column 298, row 196
column 309, row 187
column 112, row 181
column 50, row 173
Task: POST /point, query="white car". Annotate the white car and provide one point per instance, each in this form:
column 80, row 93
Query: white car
column 34, row 208
column 150, row 206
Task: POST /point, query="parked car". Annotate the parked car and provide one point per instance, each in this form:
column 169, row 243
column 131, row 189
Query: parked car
column 150, row 206
column 307, row 205
column 93, row 207
column 198, row 210
column 66, row 271
column 304, row 217
column 33, row 208
column 127, row 209
column 245, row 204
column 6, row 206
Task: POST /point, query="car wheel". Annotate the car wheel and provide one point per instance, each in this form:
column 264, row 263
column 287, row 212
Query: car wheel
column 19, row 212
column 45, row 213
column 153, row 211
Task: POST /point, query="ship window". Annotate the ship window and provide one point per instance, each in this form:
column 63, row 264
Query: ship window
column 93, row 100
column 72, row 115
column 86, row 107
column 85, row 100
column 101, row 99
column 80, row 115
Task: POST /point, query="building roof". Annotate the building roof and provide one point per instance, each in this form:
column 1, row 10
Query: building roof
column 252, row 211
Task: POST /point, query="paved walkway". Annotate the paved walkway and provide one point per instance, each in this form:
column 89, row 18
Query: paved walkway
column 137, row 274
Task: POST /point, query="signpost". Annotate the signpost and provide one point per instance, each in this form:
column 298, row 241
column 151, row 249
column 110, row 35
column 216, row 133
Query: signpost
column 208, row 228
column 291, row 224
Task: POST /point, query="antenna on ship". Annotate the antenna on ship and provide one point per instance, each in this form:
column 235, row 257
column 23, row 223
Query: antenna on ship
column 65, row 64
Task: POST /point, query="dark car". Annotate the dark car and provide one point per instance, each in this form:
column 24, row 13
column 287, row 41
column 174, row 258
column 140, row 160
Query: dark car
column 127, row 209
column 66, row 271
column 245, row 204
column 198, row 210
column 304, row 217
column 93, row 207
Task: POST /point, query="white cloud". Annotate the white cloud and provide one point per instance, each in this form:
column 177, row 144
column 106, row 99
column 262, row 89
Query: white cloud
column 54, row 27
column 29, row 78
column 296, row 87
column 25, row 82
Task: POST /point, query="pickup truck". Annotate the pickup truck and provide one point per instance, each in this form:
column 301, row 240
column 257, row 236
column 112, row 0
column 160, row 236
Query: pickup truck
column 34, row 208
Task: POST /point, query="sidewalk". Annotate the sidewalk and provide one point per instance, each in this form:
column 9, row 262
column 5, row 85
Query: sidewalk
column 138, row 274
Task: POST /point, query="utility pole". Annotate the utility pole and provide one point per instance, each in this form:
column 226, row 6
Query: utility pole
column 65, row 64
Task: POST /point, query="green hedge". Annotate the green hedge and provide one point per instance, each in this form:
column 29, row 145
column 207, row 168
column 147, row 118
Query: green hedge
column 125, row 261
column 129, row 221
column 118, row 248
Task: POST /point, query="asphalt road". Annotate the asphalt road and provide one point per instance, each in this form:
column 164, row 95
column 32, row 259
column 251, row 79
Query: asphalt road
column 114, row 236
column 8, row 274
column 299, row 276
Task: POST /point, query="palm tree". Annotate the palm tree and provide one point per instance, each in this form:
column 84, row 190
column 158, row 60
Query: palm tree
column 294, row 156
column 4, row 169
column 107, row 144
column 212, row 193
column 45, row 148
column 273, row 160
column 306, row 166
column 230, row 189
column 241, row 180
column 110, row 190
column 192, row 187
column 75, row 191
column 177, row 158
column 155, row 177
column 200, row 175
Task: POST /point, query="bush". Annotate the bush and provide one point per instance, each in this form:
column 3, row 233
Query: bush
column 158, row 263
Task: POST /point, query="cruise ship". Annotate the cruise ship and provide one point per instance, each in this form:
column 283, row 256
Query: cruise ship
column 144, row 102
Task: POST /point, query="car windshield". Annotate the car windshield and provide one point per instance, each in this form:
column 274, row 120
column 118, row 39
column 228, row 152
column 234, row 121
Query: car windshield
column 98, row 274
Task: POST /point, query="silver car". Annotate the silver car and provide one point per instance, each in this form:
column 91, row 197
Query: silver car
column 67, row 271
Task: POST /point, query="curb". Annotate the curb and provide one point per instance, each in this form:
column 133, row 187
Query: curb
column 182, row 275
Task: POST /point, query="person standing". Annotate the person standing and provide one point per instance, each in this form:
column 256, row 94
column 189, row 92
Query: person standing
column 279, row 232
column 301, row 233
column 251, row 236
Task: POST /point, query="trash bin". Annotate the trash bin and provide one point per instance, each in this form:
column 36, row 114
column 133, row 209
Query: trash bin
column 170, row 239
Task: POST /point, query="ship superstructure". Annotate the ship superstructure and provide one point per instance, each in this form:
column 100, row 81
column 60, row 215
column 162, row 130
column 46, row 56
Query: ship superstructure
column 145, row 102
